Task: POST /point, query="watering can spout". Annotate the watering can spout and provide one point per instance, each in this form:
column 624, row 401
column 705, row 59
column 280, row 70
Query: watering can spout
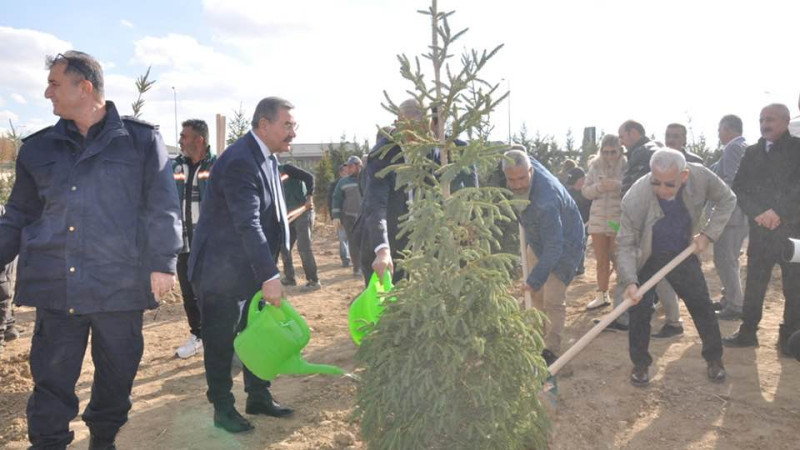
column 299, row 366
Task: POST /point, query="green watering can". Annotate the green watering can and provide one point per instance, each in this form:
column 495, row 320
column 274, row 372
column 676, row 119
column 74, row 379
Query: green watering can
column 368, row 307
column 272, row 341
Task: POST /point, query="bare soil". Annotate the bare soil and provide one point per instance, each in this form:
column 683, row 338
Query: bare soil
column 758, row 407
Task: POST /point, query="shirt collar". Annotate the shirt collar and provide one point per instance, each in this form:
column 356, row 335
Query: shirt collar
column 735, row 141
column 262, row 146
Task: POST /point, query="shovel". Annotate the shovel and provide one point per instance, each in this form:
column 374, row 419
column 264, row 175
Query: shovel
column 621, row 308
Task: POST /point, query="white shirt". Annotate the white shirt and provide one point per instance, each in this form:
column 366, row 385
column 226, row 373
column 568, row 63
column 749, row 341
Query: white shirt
column 267, row 153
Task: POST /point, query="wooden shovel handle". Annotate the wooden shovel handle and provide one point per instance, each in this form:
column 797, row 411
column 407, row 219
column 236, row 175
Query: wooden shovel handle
column 295, row 213
column 523, row 252
column 621, row 308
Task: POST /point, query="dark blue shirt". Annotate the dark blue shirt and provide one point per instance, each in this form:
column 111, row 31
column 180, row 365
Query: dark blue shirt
column 671, row 232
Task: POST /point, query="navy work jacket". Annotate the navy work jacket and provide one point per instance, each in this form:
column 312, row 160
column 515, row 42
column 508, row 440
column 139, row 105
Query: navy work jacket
column 90, row 224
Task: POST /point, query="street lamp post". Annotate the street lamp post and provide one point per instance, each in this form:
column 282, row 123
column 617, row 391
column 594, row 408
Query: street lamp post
column 175, row 102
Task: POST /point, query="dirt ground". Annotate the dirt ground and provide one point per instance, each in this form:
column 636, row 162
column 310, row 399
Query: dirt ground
column 758, row 407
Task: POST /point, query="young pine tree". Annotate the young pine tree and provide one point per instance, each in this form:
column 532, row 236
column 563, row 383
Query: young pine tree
column 453, row 363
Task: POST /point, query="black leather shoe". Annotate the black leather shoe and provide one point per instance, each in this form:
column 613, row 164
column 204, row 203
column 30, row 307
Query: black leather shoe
column 96, row 443
column 729, row 314
column 639, row 376
column 268, row 407
column 613, row 326
column 716, row 371
column 231, row 421
column 740, row 340
column 668, row 331
column 549, row 357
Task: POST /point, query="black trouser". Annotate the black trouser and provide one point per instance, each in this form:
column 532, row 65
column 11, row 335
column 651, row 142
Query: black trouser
column 189, row 298
column 762, row 256
column 689, row 283
column 220, row 320
column 57, row 349
column 300, row 232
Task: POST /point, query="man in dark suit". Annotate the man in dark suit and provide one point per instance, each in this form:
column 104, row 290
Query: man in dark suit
column 241, row 231
column 768, row 193
column 384, row 202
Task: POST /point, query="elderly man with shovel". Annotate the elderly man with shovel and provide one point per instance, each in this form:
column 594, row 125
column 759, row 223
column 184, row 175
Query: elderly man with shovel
column 662, row 214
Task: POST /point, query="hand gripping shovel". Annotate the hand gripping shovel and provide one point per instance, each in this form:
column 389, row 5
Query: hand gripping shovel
column 610, row 317
column 272, row 341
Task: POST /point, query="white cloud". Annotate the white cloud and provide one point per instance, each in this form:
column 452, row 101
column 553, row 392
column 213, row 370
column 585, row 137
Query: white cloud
column 126, row 23
column 22, row 58
column 19, row 99
column 6, row 115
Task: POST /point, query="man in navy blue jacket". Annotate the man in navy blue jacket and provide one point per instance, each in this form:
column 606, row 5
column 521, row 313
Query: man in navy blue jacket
column 241, row 231
column 384, row 202
column 94, row 218
column 555, row 236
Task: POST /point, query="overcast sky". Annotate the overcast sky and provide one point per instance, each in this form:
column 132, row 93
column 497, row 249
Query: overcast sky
column 569, row 64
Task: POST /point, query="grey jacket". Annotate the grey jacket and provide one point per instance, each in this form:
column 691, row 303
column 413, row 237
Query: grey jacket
column 726, row 168
column 640, row 211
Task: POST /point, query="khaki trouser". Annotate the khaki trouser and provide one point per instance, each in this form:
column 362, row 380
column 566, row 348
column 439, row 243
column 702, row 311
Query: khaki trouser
column 550, row 299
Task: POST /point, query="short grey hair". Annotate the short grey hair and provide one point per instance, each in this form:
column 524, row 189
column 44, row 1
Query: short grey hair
column 781, row 108
column 410, row 110
column 82, row 65
column 268, row 109
column 732, row 122
column 516, row 158
column 665, row 159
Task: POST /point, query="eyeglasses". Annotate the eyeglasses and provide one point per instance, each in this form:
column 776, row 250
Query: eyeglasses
column 609, row 152
column 75, row 64
column 290, row 126
column 669, row 184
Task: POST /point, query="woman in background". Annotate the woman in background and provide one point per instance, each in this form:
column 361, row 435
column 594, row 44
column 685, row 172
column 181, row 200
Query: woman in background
column 603, row 186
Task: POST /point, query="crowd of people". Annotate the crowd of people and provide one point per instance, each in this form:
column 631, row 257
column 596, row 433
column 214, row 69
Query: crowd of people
column 101, row 221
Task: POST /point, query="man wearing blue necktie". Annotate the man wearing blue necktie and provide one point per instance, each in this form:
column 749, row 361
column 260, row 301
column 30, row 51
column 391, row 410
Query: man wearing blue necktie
column 241, row 231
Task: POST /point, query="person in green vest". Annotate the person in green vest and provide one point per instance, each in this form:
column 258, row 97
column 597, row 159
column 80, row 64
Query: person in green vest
column 298, row 188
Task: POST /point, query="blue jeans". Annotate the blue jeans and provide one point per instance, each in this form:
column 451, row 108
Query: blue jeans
column 344, row 247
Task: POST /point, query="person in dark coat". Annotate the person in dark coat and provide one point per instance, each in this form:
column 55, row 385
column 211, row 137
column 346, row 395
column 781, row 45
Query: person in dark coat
column 768, row 191
column 242, row 230
column 675, row 138
column 94, row 217
column 384, row 202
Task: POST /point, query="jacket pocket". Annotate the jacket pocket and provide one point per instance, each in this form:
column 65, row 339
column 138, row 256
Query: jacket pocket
column 42, row 173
